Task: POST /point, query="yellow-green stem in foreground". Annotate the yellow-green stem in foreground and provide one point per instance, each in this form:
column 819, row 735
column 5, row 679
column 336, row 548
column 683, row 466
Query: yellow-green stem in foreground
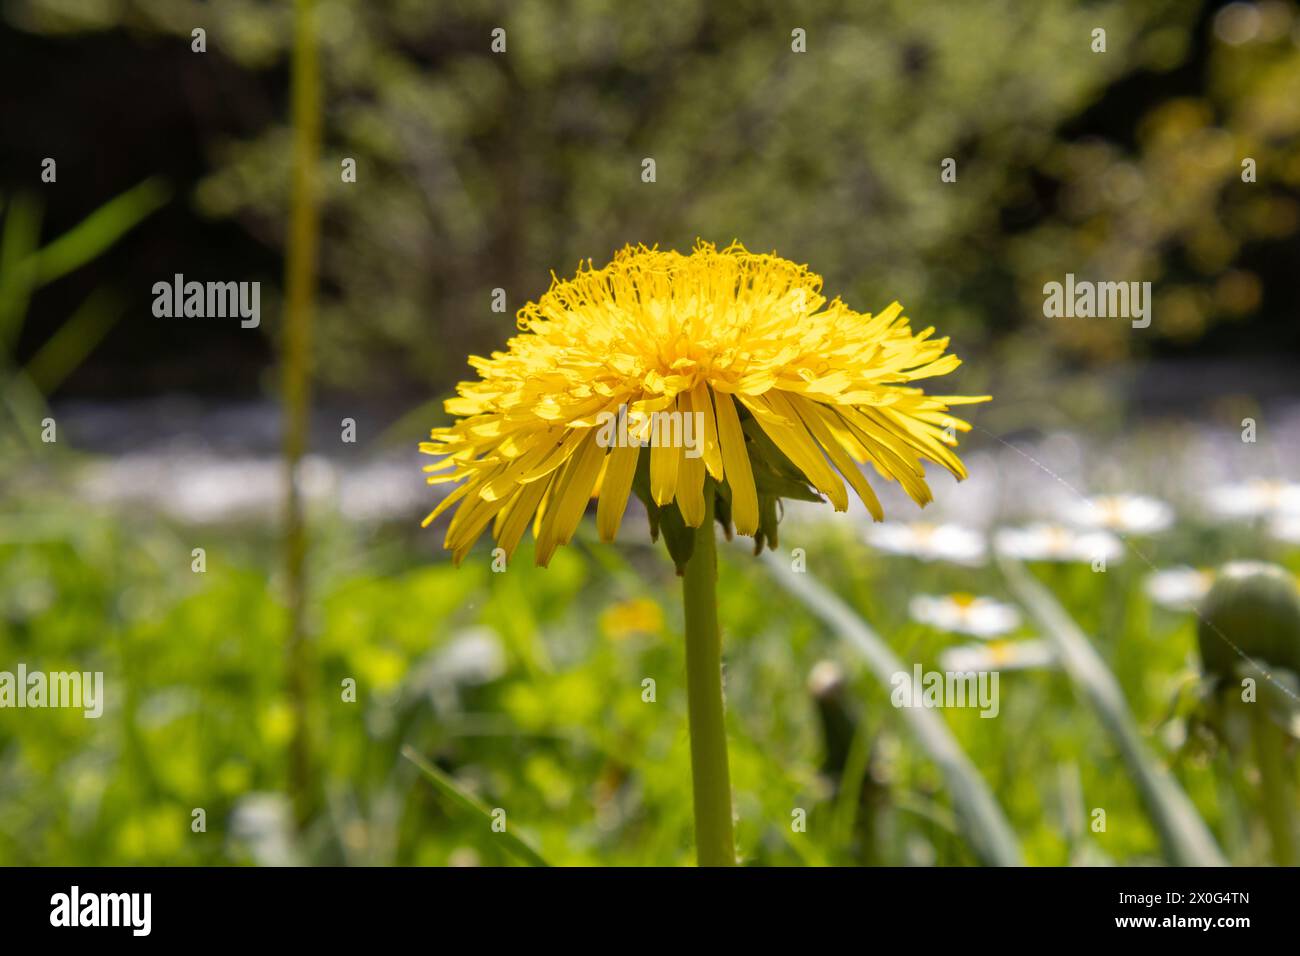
column 300, row 294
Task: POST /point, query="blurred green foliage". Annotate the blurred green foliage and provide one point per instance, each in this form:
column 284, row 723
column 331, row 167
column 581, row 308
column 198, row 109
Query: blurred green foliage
column 479, row 170
column 25, row 267
column 526, row 689
column 1178, row 206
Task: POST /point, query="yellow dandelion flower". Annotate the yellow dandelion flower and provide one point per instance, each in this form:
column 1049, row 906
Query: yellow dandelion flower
column 790, row 393
column 631, row 617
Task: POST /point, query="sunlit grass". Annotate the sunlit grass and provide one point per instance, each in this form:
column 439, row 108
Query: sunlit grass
column 526, row 691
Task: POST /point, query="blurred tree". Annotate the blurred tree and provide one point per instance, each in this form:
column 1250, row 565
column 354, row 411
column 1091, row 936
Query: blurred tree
column 478, row 170
column 1204, row 196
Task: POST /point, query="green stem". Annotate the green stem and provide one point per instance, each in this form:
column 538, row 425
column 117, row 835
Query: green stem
column 300, row 293
column 1274, row 789
column 714, row 842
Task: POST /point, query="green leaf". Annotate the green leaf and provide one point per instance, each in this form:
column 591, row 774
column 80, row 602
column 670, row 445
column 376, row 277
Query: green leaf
column 467, row 802
column 99, row 231
column 17, row 246
column 1186, row 838
column 74, row 340
column 979, row 818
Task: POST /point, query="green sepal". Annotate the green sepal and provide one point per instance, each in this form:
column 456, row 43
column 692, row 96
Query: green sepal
column 722, row 508
column 765, row 450
column 774, row 473
column 678, row 536
column 767, row 524
column 768, row 482
column 641, row 487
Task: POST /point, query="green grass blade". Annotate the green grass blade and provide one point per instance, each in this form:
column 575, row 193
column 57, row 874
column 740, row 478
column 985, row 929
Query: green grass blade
column 24, row 406
column 18, row 243
column 980, row 819
column 74, row 340
column 98, row 231
column 413, row 425
column 457, row 796
column 1186, row 838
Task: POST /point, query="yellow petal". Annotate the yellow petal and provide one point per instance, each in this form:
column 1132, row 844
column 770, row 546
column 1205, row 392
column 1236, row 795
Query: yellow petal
column 470, row 520
column 522, row 509
column 664, row 462
column 816, row 416
column 735, row 465
column 558, row 455
column 572, row 492
column 690, row 481
column 619, row 472
column 800, row 448
column 702, row 407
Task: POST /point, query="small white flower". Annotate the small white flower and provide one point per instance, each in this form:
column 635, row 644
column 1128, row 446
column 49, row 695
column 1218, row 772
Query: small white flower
column 474, row 656
column 1051, row 542
column 1127, row 514
column 998, row 656
column 1178, row 589
column 930, row 542
column 965, row 614
column 1285, row 527
column 1253, row 498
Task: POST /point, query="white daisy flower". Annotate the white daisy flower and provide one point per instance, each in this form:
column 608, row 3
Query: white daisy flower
column 998, row 656
column 1042, row 541
column 1286, row 527
column 1179, row 589
column 1253, row 498
column 930, row 542
column 1127, row 514
column 965, row 614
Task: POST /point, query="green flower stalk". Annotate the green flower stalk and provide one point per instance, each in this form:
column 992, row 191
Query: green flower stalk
column 1250, row 629
column 300, row 306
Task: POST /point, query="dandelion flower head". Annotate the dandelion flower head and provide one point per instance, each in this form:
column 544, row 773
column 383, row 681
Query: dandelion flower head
column 792, row 392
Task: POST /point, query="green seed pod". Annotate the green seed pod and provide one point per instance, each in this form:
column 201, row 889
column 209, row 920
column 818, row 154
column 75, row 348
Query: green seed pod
column 1255, row 606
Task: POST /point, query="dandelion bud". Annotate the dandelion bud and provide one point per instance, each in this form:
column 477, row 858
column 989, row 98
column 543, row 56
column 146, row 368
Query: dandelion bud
column 1252, row 609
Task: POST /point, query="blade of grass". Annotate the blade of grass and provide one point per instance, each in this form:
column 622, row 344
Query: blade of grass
column 98, row 231
column 25, row 406
column 74, row 340
column 300, row 269
column 1186, row 838
column 413, row 425
column 981, row 821
column 457, row 796
column 18, row 242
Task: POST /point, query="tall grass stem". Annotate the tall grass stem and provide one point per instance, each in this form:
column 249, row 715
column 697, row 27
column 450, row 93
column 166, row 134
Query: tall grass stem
column 300, row 296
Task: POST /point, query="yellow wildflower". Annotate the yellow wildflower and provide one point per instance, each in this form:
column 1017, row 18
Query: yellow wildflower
column 790, row 390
